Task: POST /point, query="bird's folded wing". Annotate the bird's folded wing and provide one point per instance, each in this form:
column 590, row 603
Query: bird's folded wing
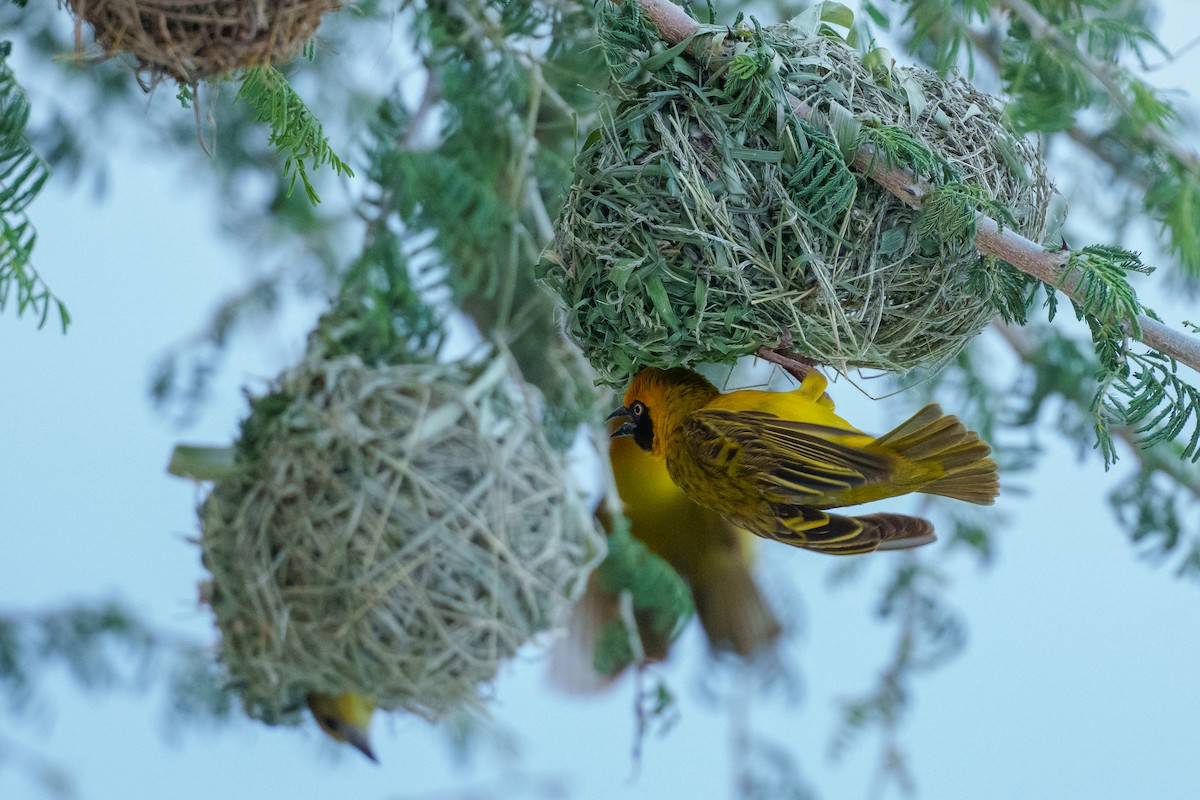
column 788, row 461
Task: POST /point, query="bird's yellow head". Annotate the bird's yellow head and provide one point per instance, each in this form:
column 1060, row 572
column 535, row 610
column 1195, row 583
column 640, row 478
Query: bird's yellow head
column 656, row 402
column 345, row 717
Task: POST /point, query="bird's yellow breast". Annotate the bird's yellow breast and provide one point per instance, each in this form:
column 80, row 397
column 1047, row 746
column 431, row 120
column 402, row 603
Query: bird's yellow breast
column 662, row 515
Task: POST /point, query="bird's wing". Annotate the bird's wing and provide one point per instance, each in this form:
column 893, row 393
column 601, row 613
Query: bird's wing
column 786, row 460
column 813, row 529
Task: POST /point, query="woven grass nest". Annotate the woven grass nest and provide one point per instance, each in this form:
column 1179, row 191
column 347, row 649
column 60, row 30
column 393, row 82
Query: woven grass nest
column 396, row 531
column 706, row 219
column 194, row 40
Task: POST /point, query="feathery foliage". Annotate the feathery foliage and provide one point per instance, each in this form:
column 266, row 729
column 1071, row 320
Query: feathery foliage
column 1173, row 198
column 1100, row 273
column 659, row 598
column 479, row 188
column 379, row 314
column 23, row 173
column 1147, row 395
column 941, row 28
column 898, row 149
column 1060, row 55
column 950, row 210
column 104, row 646
column 1142, row 391
column 295, row 132
column 821, row 183
column 1157, row 503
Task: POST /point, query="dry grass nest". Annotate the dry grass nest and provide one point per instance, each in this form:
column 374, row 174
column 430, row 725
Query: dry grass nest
column 706, row 219
column 396, row 532
column 194, row 40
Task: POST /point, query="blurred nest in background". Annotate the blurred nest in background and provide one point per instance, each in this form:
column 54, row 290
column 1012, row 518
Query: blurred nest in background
column 395, row 531
column 706, row 218
column 194, row 40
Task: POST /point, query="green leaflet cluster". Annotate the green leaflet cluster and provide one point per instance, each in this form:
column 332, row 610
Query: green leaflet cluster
column 23, row 173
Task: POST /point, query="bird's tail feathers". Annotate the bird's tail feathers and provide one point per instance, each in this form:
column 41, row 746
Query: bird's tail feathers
column 942, row 443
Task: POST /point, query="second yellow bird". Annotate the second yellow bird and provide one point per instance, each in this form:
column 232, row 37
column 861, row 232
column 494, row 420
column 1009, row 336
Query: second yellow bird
column 709, row 553
column 772, row 462
column 344, row 718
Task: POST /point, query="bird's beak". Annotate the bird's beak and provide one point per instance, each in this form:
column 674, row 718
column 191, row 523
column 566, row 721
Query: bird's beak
column 359, row 740
column 621, row 412
column 625, row 428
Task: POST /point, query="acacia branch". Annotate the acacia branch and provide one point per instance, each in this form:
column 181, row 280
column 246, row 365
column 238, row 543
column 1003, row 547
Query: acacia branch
column 675, row 26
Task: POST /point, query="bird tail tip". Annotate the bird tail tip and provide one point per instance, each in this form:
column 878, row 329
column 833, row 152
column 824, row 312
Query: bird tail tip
column 907, row 543
column 942, row 442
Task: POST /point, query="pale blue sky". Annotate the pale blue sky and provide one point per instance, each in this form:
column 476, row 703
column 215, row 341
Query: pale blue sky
column 1079, row 678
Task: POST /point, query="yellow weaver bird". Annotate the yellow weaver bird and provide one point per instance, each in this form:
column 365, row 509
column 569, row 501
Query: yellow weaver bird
column 772, row 462
column 345, row 718
column 709, row 553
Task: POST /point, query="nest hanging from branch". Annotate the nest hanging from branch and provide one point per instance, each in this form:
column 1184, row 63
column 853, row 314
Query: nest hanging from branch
column 706, row 219
column 395, row 531
column 194, row 40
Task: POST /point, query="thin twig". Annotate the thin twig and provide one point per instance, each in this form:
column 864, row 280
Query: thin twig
column 674, row 25
column 429, row 100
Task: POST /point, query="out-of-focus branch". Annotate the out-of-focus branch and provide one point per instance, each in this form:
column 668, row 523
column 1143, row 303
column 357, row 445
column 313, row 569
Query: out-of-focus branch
column 1099, row 145
column 1042, row 30
column 675, row 26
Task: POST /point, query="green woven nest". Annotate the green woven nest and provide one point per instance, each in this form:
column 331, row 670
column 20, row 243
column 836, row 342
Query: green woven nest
column 705, row 219
column 397, row 532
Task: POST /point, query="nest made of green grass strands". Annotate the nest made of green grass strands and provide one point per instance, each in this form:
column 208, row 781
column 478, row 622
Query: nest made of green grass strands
column 395, row 531
column 194, row 40
column 706, row 219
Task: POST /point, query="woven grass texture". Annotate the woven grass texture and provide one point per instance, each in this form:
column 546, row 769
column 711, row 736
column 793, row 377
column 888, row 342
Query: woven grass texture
column 194, row 40
column 705, row 219
column 400, row 532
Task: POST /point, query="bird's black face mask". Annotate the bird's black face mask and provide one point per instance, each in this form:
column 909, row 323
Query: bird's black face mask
column 638, row 424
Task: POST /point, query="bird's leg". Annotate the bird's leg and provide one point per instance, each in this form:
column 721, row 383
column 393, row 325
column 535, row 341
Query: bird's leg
column 782, row 355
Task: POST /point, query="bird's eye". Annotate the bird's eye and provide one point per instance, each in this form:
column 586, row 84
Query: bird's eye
column 636, row 409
